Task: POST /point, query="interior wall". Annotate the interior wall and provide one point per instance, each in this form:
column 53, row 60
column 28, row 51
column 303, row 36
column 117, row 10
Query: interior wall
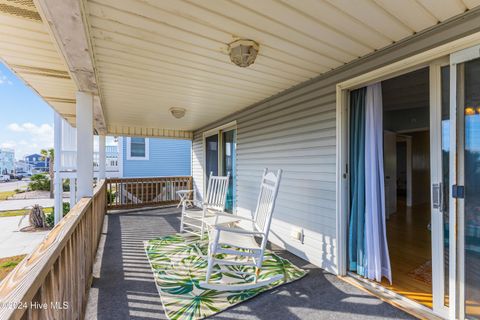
column 402, row 168
column 420, row 167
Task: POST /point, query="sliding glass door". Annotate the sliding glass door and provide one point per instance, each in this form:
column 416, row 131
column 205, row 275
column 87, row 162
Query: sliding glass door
column 220, row 159
column 211, row 155
column 465, row 181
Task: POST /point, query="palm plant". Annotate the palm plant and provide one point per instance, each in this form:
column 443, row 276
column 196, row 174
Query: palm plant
column 49, row 154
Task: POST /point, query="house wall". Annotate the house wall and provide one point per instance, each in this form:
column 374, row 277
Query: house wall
column 7, row 161
column 296, row 131
column 167, row 157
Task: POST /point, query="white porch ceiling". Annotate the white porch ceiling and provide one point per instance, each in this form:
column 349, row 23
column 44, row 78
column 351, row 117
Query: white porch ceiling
column 153, row 55
column 27, row 48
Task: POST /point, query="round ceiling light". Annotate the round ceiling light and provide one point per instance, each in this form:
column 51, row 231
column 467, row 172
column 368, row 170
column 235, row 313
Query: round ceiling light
column 177, row 112
column 243, row 52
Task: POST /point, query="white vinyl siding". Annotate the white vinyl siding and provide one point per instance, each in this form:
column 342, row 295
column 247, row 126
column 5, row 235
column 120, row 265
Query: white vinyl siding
column 296, row 131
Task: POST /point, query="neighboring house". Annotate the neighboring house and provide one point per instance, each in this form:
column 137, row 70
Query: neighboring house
column 37, row 162
column 7, row 161
column 112, row 169
column 111, row 156
column 148, row 157
column 22, row 166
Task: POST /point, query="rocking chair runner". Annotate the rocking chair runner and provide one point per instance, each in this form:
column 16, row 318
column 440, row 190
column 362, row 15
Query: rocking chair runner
column 193, row 219
column 234, row 242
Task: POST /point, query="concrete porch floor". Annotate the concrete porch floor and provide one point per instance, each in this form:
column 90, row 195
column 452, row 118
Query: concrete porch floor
column 123, row 285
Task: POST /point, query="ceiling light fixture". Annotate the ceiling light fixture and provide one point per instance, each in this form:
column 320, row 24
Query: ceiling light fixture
column 243, row 52
column 177, row 112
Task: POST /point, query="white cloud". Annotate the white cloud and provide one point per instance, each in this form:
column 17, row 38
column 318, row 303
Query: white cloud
column 15, row 127
column 30, row 138
column 4, row 79
column 7, row 145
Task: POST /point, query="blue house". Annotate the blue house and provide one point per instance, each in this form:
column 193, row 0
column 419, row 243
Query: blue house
column 148, row 157
column 37, row 162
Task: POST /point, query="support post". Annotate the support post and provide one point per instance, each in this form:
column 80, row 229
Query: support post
column 73, row 192
column 57, row 180
column 84, row 144
column 101, row 157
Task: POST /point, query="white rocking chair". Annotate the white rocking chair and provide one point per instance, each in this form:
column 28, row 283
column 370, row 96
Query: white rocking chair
column 239, row 247
column 193, row 219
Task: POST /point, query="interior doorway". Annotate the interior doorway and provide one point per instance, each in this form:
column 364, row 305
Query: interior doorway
column 407, row 172
column 407, row 199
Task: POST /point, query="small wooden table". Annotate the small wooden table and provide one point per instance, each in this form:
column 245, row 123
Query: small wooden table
column 185, row 197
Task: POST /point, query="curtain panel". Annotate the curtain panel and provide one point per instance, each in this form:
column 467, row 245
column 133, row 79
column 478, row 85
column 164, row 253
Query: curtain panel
column 357, row 182
column 368, row 247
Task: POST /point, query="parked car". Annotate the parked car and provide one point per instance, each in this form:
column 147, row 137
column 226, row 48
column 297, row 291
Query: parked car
column 4, row 178
column 16, row 176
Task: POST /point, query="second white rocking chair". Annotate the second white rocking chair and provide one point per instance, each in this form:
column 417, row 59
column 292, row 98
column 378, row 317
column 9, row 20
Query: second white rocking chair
column 193, row 219
column 233, row 246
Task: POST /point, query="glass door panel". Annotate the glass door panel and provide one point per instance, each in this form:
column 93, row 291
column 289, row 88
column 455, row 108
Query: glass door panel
column 211, row 155
column 471, row 171
column 228, row 160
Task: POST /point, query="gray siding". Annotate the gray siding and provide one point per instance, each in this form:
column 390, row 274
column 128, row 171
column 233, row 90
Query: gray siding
column 296, row 131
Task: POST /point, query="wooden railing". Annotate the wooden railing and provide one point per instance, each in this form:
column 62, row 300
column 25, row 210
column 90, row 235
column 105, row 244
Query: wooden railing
column 53, row 281
column 129, row 193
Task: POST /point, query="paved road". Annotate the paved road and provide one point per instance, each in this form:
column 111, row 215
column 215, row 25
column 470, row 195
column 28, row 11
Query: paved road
column 12, row 185
column 14, row 242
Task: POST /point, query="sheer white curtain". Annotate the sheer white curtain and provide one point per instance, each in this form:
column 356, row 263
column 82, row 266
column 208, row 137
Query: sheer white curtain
column 378, row 260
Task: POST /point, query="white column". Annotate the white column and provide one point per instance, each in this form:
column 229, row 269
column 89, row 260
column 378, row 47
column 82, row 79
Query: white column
column 101, row 157
column 84, row 144
column 57, row 182
column 73, row 192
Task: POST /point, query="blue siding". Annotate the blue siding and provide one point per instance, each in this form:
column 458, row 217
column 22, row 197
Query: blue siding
column 167, row 157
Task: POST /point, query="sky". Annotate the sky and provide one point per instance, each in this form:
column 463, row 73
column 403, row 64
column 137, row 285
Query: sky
column 26, row 121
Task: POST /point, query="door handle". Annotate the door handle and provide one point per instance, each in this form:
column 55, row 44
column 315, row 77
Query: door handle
column 437, row 196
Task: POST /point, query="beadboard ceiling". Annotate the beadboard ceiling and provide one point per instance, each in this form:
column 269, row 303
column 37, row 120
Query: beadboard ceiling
column 28, row 50
column 152, row 55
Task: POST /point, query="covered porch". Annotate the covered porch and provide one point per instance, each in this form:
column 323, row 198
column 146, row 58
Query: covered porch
column 151, row 69
column 123, row 285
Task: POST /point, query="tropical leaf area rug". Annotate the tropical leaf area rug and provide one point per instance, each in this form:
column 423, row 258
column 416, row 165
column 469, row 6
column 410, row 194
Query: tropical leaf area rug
column 179, row 264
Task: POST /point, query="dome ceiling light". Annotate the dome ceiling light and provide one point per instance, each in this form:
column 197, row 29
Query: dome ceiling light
column 243, row 52
column 177, row 112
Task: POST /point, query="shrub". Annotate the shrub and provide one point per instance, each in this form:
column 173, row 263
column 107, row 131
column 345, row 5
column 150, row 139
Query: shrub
column 110, row 196
column 66, row 185
column 39, row 182
column 50, row 218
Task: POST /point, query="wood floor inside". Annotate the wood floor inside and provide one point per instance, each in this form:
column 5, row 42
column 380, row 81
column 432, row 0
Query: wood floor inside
column 409, row 243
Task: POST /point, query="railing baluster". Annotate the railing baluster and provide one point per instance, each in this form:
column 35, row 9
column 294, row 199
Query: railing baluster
column 142, row 192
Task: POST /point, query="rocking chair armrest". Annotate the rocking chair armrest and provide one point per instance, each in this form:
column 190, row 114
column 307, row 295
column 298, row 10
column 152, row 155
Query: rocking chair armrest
column 238, row 230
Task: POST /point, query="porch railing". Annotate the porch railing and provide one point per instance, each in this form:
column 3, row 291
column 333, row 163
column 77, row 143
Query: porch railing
column 129, row 193
column 53, row 281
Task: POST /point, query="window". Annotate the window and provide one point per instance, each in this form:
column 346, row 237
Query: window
column 137, row 149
